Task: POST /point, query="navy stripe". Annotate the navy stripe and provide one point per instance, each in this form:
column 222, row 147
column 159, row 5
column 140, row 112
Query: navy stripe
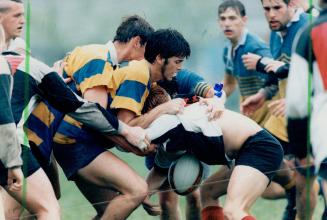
column 149, row 85
column 39, row 128
column 25, row 87
column 6, row 113
column 69, row 130
column 42, row 130
column 88, row 70
column 131, row 89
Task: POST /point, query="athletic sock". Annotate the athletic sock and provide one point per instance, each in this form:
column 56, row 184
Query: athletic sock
column 212, row 213
column 248, row 218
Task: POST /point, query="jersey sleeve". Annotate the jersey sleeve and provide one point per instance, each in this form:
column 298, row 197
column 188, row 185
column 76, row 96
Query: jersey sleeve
column 132, row 91
column 10, row 149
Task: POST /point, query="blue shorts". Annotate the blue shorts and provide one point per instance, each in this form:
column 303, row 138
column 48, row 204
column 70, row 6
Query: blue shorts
column 73, row 157
column 30, row 165
column 262, row 152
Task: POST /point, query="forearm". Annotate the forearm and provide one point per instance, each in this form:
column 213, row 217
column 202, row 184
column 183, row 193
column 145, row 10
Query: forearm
column 270, row 88
column 229, row 83
column 229, row 88
column 281, row 72
column 146, row 119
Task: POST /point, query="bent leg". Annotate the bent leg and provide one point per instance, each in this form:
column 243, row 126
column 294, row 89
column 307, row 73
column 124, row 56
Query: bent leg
column 211, row 189
column 193, row 205
column 215, row 186
column 99, row 197
column 40, row 199
column 245, row 186
column 107, row 170
column 169, row 205
column 304, row 212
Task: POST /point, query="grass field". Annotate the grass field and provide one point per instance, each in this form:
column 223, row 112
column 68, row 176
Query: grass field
column 75, row 207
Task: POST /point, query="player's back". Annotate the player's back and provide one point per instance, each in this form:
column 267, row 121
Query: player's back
column 236, row 128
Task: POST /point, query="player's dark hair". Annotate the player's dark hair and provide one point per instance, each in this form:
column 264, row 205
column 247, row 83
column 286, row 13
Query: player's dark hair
column 236, row 5
column 285, row 1
column 166, row 43
column 133, row 26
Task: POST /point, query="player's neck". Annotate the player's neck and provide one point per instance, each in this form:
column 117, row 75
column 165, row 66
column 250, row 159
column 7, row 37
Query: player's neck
column 155, row 72
column 237, row 40
column 122, row 51
column 7, row 43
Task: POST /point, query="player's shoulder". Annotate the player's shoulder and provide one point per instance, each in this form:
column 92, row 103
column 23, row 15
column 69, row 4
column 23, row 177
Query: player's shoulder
column 254, row 41
column 91, row 51
column 136, row 70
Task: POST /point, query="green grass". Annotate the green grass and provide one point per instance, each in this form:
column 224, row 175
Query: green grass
column 74, row 205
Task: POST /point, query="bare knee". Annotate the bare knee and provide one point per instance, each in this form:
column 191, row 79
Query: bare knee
column 137, row 191
column 50, row 211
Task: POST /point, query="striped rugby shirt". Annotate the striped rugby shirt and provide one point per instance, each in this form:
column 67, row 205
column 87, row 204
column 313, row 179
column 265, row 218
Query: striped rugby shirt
column 43, row 83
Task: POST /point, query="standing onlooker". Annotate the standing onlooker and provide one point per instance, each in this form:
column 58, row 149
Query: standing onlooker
column 232, row 20
column 10, row 148
column 308, row 64
column 285, row 22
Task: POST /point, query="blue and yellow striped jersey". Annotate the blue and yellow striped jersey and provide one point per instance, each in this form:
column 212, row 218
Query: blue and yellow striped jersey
column 41, row 126
column 86, row 64
column 127, row 88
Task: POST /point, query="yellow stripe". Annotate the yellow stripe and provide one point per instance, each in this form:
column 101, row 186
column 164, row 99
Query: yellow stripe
column 43, row 114
column 72, row 121
column 120, row 102
column 62, row 139
column 32, row 136
column 82, row 55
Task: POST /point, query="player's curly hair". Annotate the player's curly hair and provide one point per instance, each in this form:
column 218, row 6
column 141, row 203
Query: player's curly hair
column 156, row 97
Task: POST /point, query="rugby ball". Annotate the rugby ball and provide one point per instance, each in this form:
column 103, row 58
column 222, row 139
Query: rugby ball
column 185, row 174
